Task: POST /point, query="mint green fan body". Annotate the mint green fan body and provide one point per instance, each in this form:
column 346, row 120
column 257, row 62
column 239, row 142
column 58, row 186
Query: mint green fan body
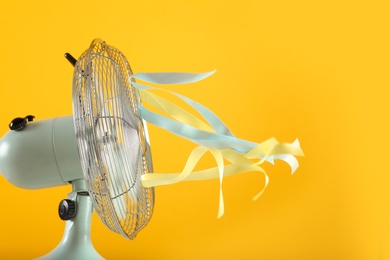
column 42, row 155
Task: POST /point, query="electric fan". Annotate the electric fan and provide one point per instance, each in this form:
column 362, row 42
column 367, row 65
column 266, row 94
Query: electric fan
column 103, row 149
column 113, row 148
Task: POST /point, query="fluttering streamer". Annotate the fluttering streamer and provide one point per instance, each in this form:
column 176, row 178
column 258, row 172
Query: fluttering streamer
column 211, row 135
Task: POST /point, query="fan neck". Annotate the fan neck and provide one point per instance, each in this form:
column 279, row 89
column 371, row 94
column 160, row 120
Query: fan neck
column 79, row 185
column 76, row 241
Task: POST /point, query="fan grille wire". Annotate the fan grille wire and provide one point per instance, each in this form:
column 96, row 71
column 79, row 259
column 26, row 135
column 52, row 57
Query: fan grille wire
column 111, row 139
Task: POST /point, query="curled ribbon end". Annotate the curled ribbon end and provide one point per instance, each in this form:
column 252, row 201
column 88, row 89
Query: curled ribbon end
column 257, row 196
column 296, row 143
column 220, row 214
column 221, row 209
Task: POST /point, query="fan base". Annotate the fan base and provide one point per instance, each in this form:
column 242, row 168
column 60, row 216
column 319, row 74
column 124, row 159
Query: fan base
column 76, row 242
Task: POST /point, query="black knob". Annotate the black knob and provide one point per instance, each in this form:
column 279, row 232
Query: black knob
column 67, row 209
column 19, row 123
column 71, row 59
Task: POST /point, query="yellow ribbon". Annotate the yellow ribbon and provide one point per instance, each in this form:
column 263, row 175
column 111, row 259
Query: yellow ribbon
column 240, row 162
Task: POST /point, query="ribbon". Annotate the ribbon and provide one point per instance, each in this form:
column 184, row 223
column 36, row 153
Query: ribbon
column 212, row 136
column 207, row 114
column 171, row 77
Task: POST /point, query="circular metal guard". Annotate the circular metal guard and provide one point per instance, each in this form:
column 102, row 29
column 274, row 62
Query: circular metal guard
column 112, row 139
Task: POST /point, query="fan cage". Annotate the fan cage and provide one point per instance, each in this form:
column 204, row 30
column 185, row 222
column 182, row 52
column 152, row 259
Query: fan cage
column 112, row 139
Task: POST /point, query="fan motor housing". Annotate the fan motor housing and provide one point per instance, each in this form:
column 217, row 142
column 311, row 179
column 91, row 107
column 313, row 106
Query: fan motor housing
column 43, row 154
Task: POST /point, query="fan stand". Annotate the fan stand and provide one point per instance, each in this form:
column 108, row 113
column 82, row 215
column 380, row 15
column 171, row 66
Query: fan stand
column 76, row 241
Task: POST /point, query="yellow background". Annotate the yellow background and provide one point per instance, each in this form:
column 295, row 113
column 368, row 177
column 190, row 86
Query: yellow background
column 316, row 70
